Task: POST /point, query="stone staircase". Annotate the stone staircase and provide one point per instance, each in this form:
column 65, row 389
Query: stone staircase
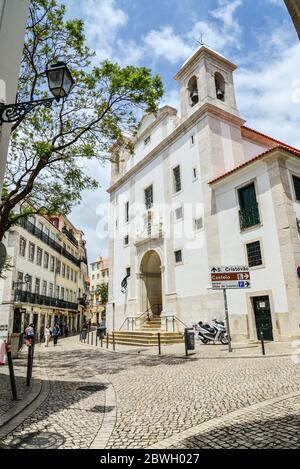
column 147, row 335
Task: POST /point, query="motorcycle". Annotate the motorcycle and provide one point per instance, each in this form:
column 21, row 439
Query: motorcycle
column 215, row 332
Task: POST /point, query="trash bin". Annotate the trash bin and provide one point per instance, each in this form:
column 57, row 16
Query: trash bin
column 101, row 332
column 83, row 334
column 189, row 337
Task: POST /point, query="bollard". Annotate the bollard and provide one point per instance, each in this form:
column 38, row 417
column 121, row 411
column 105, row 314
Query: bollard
column 262, row 343
column 113, row 339
column 30, row 362
column 159, row 343
column 11, row 373
column 107, row 340
column 80, row 339
column 96, row 338
column 101, row 340
column 88, row 337
column 92, row 338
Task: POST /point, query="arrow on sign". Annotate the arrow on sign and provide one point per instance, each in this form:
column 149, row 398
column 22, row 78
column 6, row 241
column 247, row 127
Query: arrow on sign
column 247, row 284
column 246, row 276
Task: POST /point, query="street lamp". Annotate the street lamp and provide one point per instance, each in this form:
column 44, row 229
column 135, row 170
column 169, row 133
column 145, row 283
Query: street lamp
column 60, row 82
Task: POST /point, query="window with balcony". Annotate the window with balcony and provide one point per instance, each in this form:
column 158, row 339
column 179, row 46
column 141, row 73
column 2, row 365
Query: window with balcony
column 249, row 213
column 22, row 247
column 46, row 260
column 28, row 284
column 39, row 255
column 62, row 293
column 31, row 252
column 37, row 286
column 44, row 288
column 254, row 254
column 51, row 290
column 296, row 181
column 68, row 272
column 52, row 264
column 149, row 197
column 63, row 271
column 177, row 179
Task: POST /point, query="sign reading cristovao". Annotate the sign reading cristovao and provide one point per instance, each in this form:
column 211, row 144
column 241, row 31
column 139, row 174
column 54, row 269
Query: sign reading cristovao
column 233, row 277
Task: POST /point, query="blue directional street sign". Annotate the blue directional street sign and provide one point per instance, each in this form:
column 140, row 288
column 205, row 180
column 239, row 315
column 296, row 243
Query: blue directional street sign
column 241, row 284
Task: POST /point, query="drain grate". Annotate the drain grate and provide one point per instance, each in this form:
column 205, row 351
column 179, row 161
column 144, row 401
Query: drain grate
column 36, row 440
column 101, row 409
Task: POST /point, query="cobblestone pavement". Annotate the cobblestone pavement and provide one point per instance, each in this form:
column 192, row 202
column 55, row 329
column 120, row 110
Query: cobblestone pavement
column 156, row 398
column 6, row 402
column 275, row 426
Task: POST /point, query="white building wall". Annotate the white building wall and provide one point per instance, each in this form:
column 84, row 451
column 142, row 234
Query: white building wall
column 13, row 15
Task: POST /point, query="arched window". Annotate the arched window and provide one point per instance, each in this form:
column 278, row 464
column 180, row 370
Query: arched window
column 193, row 91
column 220, row 86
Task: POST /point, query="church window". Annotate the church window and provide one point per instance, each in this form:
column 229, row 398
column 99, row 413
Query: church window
column 149, row 197
column 178, row 256
column 193, row 91
column 254, row 254
column 296, row 181
column 220, row 86
column 249, row 212
column 177, row 179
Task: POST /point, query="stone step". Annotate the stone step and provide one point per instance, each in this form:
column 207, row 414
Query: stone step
column 145, row 338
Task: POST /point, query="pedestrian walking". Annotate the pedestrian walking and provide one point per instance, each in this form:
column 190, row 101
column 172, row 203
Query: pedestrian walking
column 29, row 334
column 47, row 334
column 55, row 333
column 66, row 330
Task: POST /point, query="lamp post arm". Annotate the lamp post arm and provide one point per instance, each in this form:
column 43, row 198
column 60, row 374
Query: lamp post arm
column 13, row 112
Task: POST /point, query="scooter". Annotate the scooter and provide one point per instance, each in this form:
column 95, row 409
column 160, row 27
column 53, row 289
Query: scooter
column 215, row 332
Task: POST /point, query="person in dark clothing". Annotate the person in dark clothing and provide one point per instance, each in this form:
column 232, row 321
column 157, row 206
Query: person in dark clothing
column 66, row 330
column 55, row 333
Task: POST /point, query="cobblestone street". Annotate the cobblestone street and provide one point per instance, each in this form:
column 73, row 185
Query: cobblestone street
column 94, row 398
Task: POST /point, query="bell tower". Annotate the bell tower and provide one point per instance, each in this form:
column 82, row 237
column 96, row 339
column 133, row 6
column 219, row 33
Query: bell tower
column 206, row 78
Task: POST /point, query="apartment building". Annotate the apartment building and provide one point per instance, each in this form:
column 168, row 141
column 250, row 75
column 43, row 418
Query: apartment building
column 47, row 283
column 99, row 276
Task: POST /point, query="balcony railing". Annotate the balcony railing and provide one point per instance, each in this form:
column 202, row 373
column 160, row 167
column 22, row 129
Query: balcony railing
column 36, row 299
column 31, row 228
column 249, row 217
column 70, row 236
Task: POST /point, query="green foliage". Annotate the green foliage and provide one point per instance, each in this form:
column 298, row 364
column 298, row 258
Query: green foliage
column 49, row 147
column 102, row 291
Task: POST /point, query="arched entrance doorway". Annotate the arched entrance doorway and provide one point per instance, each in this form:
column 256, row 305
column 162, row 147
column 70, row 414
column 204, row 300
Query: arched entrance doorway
column 151, row 283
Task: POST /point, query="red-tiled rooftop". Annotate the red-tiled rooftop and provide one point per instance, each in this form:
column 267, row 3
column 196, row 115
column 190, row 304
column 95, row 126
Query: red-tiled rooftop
column 274, row 145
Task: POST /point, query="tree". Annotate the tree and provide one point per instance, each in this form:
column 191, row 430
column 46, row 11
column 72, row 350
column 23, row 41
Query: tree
column 49, row 147
column 102, row 291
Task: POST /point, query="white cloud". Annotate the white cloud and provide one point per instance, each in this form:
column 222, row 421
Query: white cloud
column 266, row 93
column 219, row 34
column 166, row 43
column 103, row 22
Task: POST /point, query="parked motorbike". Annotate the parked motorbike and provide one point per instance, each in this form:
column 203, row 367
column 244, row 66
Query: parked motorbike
column 213, row 333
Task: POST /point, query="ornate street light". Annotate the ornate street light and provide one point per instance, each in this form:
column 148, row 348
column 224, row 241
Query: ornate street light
column 60, row 82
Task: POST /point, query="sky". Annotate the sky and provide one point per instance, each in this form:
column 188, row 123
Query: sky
column 258, row 36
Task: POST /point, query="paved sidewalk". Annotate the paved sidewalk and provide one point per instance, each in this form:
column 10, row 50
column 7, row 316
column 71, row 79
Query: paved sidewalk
column 210, row 351
column 26, row 394
column 93, row 398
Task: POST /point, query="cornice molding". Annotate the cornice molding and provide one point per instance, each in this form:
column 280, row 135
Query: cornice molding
column 207, row 110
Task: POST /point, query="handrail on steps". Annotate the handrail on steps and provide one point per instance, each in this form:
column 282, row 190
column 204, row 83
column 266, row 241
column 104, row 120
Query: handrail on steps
column 136, row 318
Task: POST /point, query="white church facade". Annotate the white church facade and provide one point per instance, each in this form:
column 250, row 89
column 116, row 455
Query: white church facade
column 203, row 190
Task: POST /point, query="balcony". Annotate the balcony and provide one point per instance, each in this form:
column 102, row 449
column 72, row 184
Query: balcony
column 41, row 300
column 69, row 234
column 249, row 217
column 150, row 232
column 31, row 228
